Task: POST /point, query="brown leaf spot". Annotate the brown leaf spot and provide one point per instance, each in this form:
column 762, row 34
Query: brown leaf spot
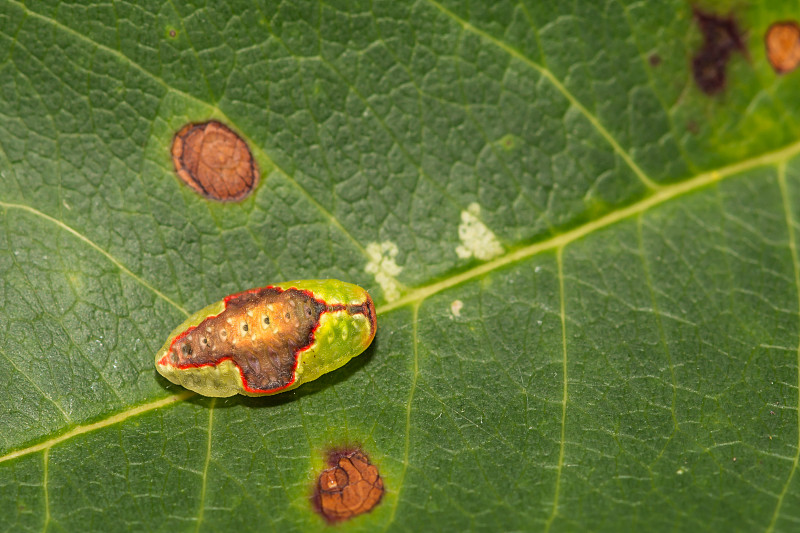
column 783, row 46
column 214, row 161
column 721, row 37
column 352, row 486
column 655, row 60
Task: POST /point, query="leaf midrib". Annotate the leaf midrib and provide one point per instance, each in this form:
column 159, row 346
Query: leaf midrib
column 662, row 195
column 419, row 295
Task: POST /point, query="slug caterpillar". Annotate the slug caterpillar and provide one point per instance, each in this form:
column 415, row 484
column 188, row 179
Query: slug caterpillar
column 269, row 340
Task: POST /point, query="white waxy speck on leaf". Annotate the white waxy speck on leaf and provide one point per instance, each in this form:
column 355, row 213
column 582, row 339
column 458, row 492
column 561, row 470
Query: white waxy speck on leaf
column 476, row 239
column 383, row 266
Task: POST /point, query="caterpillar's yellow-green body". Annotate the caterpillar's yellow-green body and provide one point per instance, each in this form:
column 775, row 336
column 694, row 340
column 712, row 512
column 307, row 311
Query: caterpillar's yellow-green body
column 269, row 340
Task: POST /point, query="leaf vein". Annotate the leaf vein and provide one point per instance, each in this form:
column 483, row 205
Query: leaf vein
column 547, row 74
column 202, row 503
column 45, row 489
column 88, row 428
column 562, row 442
column 790, row 224
column 409, row 402
column 92, row 244
column 216, row 110
column 662, row 195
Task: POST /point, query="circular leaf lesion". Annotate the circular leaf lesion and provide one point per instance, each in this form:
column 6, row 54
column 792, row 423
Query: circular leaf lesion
column 351, row 487
column 782, row 41
column 214, row 161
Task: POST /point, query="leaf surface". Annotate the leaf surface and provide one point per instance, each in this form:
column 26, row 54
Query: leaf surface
column 586, row 269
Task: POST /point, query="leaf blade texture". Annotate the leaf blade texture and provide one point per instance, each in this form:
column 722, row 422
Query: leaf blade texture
column 586, row 269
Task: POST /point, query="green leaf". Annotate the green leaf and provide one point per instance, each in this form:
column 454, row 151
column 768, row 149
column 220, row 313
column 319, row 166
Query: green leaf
column 586, row 269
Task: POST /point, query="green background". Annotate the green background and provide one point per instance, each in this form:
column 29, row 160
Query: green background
column 628, row 362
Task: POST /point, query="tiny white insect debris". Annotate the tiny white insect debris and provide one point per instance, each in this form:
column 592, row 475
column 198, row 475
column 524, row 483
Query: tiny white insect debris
column 476, row 239
column 383, row 266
